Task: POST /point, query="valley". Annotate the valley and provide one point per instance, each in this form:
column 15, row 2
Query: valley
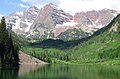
column 54, row 36
column 44, row 40
column 100, row 48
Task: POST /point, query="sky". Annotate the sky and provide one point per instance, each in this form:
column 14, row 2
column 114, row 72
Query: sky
column 7, row 7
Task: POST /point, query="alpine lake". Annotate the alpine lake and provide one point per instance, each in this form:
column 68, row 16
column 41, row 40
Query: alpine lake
column 57, row 71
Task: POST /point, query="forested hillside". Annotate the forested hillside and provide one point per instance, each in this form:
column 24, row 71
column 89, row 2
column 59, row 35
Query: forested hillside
column 103, row 45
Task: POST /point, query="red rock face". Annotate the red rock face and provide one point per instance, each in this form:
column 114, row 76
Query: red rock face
column 50, row 15
column 46, row 10
column 93, row 15
column 78, row 17
column 82, row 19
column 101, row 17
column 44, row 13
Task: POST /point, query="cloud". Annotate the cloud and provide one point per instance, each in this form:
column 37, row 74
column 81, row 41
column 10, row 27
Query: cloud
column 25, row 0
column 40, row 3
column 23, row 6
column 37, row 3
column 73, row 6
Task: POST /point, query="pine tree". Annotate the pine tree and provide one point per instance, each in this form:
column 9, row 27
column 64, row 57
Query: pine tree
column 2, row 40
column 8, row 49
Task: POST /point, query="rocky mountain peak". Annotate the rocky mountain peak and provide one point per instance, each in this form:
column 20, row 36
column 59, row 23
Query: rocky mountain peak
column 54, row 6
column 49, row 16
column 95, row 19
column 51, row 21
column 20, row 22
column 33, row 7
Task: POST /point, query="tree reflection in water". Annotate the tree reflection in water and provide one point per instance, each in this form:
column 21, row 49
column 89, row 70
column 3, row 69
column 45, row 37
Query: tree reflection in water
column 9, row 73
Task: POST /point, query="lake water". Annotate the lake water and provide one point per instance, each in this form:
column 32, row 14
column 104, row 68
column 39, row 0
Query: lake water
column 62, row 72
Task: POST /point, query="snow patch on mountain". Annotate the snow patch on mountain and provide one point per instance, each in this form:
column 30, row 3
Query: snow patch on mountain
column 19, row 13
column 22, row 21
column 70, row 23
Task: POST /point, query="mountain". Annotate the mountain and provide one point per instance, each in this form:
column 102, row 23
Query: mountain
column 20, row 22
column 95, row 19
column 51, row 22
column 48, row 17
column 102, row 47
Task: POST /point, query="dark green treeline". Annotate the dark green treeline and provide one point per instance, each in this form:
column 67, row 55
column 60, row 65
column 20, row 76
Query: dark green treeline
column 8, row 49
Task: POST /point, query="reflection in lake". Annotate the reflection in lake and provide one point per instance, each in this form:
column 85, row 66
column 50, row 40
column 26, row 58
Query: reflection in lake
column 9, row 73
column 62, row 72
column 23, row 69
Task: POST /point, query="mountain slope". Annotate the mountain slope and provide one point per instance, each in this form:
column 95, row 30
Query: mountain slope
column 103, row 44
column 28, row 60
column 49, row 16
column 20, row 22
column 73, row 34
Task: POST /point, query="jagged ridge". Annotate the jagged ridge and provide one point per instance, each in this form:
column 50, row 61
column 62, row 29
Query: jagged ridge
column 35, row 23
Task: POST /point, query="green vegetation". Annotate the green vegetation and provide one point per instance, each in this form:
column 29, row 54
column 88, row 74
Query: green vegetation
column 37, row 37
column 68, row 35
column 73, row 34
column 101, row 47
column 51, row 55
column 8, row 48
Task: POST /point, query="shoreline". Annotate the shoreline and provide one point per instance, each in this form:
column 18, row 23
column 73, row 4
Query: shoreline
column 26, row 59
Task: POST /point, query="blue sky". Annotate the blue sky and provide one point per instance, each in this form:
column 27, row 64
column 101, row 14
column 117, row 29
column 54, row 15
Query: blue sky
column 9, row 6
